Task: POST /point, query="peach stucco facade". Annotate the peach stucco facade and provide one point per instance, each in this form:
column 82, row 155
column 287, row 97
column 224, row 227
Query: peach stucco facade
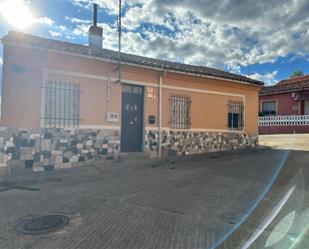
column 22, row 91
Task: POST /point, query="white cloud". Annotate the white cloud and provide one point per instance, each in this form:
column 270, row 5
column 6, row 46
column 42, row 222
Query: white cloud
column 62, row 28
column 77, row 20
column 70, row 37
column 45, row 20
column 1, row 61
column 268, row 78
column 81, row 29
column 54, row 33
column 110, row 5
column 219, row 33
column 81, row 3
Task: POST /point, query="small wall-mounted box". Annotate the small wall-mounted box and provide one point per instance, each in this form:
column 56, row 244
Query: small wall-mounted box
column 112, row 117
column 151, row 119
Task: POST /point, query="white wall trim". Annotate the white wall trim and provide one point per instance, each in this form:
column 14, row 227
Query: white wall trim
column 152, row 128
column 202, row 91
column 101, row 77
column 96, row 77
column 90, row 127
column 100, row 127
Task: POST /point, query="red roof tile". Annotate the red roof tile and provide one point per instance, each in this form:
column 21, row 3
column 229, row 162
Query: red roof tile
column 27, row 39
column 295, row 84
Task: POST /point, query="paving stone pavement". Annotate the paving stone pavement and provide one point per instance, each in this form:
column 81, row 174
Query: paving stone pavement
column 182, row 205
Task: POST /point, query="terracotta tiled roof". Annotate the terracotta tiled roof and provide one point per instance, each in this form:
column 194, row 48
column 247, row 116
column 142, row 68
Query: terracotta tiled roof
column 22, row 38
column 289, row 85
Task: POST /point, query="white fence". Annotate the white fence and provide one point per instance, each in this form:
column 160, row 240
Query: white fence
column 284, row 120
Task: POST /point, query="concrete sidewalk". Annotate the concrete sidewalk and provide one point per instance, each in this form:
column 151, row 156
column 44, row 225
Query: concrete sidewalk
column 286, row 141
column 124, row 161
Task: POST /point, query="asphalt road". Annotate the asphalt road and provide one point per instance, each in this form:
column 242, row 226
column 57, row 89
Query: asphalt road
column 190, row 204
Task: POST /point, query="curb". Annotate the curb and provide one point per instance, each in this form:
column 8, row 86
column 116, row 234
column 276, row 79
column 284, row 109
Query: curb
column 98, row 167
column 56, row 175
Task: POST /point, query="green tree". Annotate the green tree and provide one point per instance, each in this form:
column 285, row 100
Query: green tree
column 297, row 73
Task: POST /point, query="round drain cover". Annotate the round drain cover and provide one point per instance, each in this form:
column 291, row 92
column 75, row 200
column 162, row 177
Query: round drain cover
column 42, row 224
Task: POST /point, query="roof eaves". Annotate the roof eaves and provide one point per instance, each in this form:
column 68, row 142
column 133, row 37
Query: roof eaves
column 155, row 64
column 282, row 91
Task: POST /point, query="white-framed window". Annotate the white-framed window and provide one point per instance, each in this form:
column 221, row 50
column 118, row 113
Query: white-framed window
column 61, row 101
column 269, row 107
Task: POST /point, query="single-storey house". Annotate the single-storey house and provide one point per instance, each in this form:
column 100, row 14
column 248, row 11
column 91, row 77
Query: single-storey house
column 49, row 83
column 179, row 108
column 284, row 107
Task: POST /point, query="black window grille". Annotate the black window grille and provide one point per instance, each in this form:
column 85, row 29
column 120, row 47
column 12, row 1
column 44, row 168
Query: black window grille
column 180, row 111
column 235, row 115
column 62, row 103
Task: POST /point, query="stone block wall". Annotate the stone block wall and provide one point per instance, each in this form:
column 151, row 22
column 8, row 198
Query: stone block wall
column 189, row 142
column 49, row 149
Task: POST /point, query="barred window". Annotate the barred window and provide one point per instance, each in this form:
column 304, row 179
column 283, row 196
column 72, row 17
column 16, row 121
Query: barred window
column 180, row 111
column 235, row 115
column 62, row 100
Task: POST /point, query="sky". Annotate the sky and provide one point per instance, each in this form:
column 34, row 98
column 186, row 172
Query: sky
column 265, row 40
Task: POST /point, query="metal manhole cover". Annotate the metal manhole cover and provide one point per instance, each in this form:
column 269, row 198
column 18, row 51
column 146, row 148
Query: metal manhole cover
column 42, row 224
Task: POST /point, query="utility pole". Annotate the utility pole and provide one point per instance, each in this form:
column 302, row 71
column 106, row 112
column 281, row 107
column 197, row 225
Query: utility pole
column 119, row 43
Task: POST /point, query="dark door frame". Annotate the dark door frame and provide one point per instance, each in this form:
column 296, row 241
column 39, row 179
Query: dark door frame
column 141, row 149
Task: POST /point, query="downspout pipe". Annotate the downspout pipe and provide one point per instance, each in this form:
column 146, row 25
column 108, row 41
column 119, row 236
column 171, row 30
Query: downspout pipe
column 160, row 113
column 108, row 91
